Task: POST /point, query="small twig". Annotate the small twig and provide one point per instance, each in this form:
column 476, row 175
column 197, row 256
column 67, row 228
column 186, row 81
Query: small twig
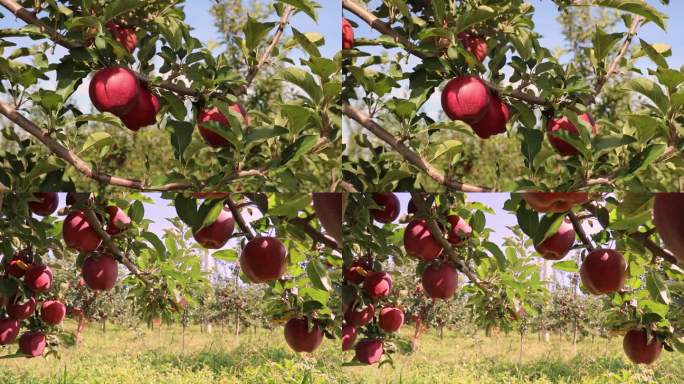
column 612, row 68
column 237, row 215
column 580, row 231
column 267, row 53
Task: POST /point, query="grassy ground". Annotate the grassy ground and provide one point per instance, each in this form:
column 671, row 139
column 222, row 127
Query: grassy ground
column 148, row 356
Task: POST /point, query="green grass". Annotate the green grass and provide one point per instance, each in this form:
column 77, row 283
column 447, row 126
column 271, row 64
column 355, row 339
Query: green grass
column 149, row 356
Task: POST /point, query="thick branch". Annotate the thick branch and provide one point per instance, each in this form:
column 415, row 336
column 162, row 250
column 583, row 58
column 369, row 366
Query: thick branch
column 408, row 154
column 237, row 215
column 580, row 231
column 314, row 234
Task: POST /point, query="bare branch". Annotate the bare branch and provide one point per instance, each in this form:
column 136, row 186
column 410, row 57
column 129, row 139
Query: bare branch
column 276, row 38
column 237, row 215
column 30, row 18
column 580, row 231
column 612, row 68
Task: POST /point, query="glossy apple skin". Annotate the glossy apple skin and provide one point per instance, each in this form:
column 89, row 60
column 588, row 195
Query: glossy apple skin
column 13, row 265
column 391, row 319
column 46, row 204
column 214, row 114
column 79, row 234
column 144, row 111
column 9, row 330
column 465, row 98
column 474, row 44
column 603, row 271
column 100, row 272
column 263, row 259
column 38, row 278
column 369, row 351
column 52, row 312
column 390, row 203
column 21, row 311
column 217, row 234
column 668, row 217
column 118, row 220
column 460, row 230
column 378, row 284
column 114, row 89
column 440, row 281
column 300, row 338
column 347, row 34
column 356, row 273
column 564, row 124
column 557, row 202
column 494, row 120
column 556, row 246
column 357, row 317
column 125, row 36
column 419, row 242
column 32, row 344
column 638, row 348
column 329, row 210
column 348, row 337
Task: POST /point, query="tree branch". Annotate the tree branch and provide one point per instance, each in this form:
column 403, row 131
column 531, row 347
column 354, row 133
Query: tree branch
column 612, row 68
column 237, row 215
column 267, row 53
column 408, row 154
column 580, row 231
column 30, row 18
column 314, row 234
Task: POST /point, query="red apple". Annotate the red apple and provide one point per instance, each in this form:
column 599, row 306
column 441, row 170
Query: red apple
column 46, row 204
column 347, row 34
column 348, row 336
column 125, row 36
column 329, row 210
column 300, row 338
column 356, row 273
column 558, row 202
column 378, row 284
column 263, row 259
column 38, row 278
column 52, row 312
column 494, row 120
column 564, row 124
column 214, row 114
column 144, row 112
column 357, row 317
column 440, row 281
column 465, row 98
column 639, row 349
column 9, row 329
column 100, row 272
column 556, row 246
column 21, row 311
column 118, row 220
column 79, row 234
column 460, row 230
column 17, row 265
column 216, row 234
column 369, row 351
column 474, row 44
column 391, row 319
column 603, row 271
column 419, row 242
column 115, row 90
column 390, row 207
column 668, row 217
column 32, row 344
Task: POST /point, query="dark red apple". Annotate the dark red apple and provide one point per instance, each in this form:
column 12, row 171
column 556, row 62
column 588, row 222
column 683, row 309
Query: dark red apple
column 21, row 311
column 378, row 284
column 556, row 246
column 9, row 329
column 17, row 265
column 144, row 112
column 216, row 234
column 347, row 34
column 125, row 36
column 440, row 281
column 419, row 242
column 558, row 202
column 603, row 271
column 390, row 207
column 460, row 230
column 329, row 210
column 639, row 349
column 52, row 312
column 564, row 124
column 46, row 204
column 263, row 259
column 214, row 114
column 79, row 234
column 32, row 344
column 465, row 98
column 115, row 90
column 356, row 273
column 474, row 44
column 668, row 217
column 300, row 338
column 494, row 120
column 348, row 336
column 38, row 278
column 357, row 317
column 369, row 351
column 391, row 319
column 118, row 220
column 100, row 272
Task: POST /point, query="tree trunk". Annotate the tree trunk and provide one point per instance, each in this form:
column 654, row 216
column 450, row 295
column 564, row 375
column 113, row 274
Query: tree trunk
column 183, row 340
column 104, row 325
column 441, row 332
column 237, row 323
column 81, row 327
column 416, row 334
column 522, row 335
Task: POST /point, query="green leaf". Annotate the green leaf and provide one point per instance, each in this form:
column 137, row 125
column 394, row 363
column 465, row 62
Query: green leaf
column 156, row 243
column 228, row 255
column 300, row 147
column 96, row 140
column 186, row 209
column 653, row 54
column 651, row 90
column 318, row 275
column 291, row 207
column 566, row 266
column 603, row 43
column 638, row 7
column 117, row 7
column 306, row 6
column 255, row 32
column 474, row 16
column 657, row 288
column 498, row 255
